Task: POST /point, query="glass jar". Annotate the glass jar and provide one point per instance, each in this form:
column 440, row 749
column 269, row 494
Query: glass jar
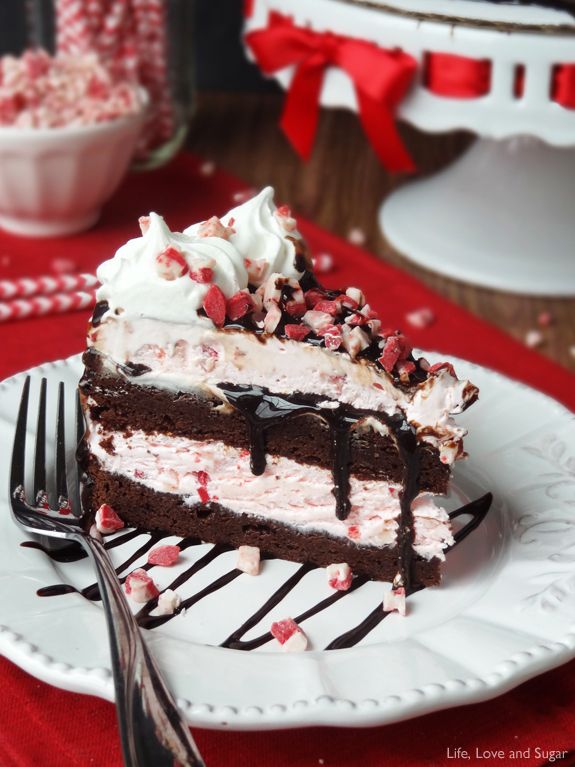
column 147, row 41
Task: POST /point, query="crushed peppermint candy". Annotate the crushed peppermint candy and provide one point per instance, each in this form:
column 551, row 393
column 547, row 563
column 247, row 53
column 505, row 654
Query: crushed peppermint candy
column 339, row 576
column 289, row 635
column 213, row 227
column 394, row 600
column 323, row 263
column 170, row 263
column 215, row 305
column 207, row 168
column 533, row 338
column 107, row 521
column 38, row 90
column 545, row 319
column 249, row 560
column 356, row 236
column 140, row 587
column 164, row 556
column 168, row 602
column 420, row 318
column 285, row 218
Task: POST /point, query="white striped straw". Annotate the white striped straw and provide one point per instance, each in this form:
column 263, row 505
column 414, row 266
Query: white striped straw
column 45, row 285
column 40, row 306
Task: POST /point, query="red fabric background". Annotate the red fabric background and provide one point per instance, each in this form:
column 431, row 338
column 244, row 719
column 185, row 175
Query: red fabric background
column 41, row 725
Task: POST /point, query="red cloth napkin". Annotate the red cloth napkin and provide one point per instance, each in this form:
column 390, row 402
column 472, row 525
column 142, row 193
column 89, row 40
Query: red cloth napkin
column 42, row 725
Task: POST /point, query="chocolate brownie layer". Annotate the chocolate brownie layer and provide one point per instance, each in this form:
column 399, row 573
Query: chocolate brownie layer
column 121, row 405
column 140, row 506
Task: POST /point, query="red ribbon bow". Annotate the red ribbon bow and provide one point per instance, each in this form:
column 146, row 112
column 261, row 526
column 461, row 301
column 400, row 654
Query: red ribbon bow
column 381, row 78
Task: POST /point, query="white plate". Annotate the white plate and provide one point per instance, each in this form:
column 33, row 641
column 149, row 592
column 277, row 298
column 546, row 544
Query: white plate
column 503, row 614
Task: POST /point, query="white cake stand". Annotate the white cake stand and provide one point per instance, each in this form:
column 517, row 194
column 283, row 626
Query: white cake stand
column 502, row 215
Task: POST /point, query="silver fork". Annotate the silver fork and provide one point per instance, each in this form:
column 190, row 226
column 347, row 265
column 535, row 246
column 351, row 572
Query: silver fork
column 152, row 730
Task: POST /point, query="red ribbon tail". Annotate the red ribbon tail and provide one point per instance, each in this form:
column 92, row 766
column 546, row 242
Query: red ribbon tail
column 379, row 125
column 301, row 111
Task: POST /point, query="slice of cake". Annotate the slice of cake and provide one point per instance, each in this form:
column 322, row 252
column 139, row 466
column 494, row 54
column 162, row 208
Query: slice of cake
column 230, row 397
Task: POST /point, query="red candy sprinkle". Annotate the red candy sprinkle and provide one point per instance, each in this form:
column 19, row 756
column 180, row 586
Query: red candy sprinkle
column 215, row 305
column 107, row 521
column 330, row 307
column 323, row 263
column 204, row 495
column 297, row 332
column 391, row 352
column 295, row 308
column 442, row 366
column 164, row 556
column 313, row 296
column 202, row 275
column 289, row 634
column 170, row 263
column 239, row 305
column 140, row 586
column 203, row 479
column 339, row 577
column 421, row 318
column 282, row 630
column 353, row 532
column 332, row 336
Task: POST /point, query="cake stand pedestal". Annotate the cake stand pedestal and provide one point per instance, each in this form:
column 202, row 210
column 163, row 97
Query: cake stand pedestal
column 501, row 216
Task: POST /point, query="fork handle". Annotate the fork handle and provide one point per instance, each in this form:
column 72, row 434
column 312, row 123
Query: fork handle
column 152, row 730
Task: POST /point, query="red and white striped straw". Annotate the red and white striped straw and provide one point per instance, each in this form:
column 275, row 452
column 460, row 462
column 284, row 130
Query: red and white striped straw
column 43, row 305
column 23, row 287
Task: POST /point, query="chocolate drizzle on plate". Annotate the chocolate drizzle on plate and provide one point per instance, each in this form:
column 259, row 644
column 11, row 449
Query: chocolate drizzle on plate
column 476, row 510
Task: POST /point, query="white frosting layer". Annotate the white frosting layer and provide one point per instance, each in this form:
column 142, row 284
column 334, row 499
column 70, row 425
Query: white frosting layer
column 188, row 358
column 295, row 494
column 261, row 237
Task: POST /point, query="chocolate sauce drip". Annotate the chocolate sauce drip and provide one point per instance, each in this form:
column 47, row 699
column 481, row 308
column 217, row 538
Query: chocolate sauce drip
column 407, row 445
column 262, row 409
column 477, row 510
column 99, row 311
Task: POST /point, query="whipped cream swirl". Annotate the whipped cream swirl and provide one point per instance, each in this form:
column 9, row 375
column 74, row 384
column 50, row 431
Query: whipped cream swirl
column 264, row 236
column 262, row 243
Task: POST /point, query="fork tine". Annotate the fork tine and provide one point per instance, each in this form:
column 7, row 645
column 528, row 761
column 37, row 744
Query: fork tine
column 80, row 427
column 61, row 484
column 19, row 449
column 40, row 450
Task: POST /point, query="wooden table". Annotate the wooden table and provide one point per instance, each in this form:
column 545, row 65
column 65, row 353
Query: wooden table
column 341, row 188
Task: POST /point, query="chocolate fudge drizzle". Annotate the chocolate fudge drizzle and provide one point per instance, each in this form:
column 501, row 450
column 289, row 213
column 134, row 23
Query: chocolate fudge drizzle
column 262, row 409
column 477, row 510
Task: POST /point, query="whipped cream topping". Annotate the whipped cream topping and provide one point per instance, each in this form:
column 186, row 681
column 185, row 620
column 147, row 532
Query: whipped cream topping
column 264, row 237
column 260, row 245
column 133, row 287
column 295, row 494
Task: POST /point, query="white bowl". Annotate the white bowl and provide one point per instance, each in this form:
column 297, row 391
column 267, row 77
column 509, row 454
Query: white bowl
column 54, row 181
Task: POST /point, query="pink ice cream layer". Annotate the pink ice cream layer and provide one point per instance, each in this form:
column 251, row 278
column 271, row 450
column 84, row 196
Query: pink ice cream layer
column 299, row 495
